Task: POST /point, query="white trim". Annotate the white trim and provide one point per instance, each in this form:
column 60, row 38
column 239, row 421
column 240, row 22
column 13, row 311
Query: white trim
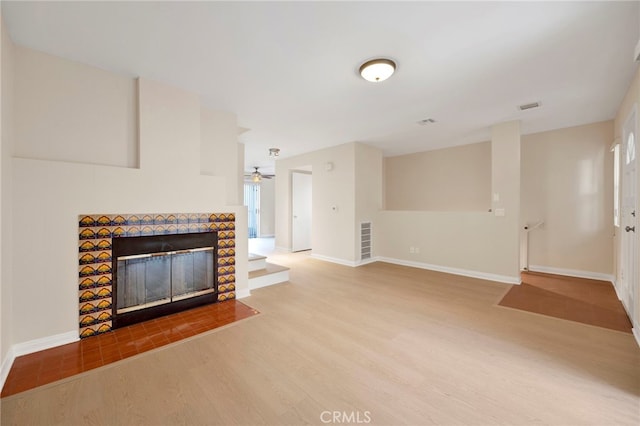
column 267, row 236
column 283, row 249
column 636, row 334
column 572, row 273
column 43, row 343
column 241, row 293
column 367, row 261
column 32, row 346
column 455, row 271
column 269, row 279
column 334, row 260
column 6, row 366
column 615, row 287
column 257, row 263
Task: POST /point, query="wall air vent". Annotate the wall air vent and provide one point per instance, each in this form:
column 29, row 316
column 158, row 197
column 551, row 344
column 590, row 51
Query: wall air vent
column 426, row 121
column 365, row 240
column 529, row 106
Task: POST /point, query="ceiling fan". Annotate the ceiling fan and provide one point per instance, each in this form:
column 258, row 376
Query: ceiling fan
column 257, row 177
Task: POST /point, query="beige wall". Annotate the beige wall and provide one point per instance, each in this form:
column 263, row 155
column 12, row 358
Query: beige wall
column 368, row 190
column 6, row 231
column 474, row 243
column 63, row 103
column 451, row 179
column 332, row 231
column 268, row 207
column 48, row 193
column 219, row 134
column 567, row 181
column 455, row 241
column 353, row 185
column 630, row 101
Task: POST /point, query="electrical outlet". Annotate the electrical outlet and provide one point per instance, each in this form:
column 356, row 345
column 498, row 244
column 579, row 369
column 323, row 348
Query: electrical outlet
column 412, row 249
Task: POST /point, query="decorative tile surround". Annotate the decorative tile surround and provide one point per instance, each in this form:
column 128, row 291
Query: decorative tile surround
column 95, row 234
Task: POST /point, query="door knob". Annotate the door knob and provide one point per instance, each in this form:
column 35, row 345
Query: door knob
column 630, row 228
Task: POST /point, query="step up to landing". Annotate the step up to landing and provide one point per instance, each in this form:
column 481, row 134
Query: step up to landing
column 257, row 262
column 269, row 275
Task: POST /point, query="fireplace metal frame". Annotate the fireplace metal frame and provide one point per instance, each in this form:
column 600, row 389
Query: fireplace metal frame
column 127, row 246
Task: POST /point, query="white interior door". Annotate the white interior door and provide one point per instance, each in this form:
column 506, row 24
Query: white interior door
column 301, row 211
column 629, row 221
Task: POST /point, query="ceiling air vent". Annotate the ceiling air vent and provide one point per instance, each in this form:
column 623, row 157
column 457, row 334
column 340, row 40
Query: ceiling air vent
column 529, row 106
column 426, row 121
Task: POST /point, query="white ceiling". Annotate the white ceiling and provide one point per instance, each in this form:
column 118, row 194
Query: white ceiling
column 289, row 69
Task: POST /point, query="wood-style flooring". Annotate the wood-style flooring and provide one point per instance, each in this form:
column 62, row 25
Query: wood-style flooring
column 587, row 301
column 381, row 342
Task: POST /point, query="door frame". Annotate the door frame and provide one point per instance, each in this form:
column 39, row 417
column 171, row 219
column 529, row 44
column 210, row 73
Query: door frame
column 294, row 247
column 252, row 201
column 628, row 291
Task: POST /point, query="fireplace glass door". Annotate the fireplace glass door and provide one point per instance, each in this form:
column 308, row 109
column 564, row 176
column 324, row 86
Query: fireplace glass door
column 148, row 280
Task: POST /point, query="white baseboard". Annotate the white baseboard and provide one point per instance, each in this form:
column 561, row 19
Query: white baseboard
column 43, row 343
column 636, row 333
column 615, row 287
column 455, row 271
column 367, row 261
column 572, row 273
column 267, row 236
column 32, row 346
column 242, row 293
column 283, row 249
column 334, row 260
column 6, row 366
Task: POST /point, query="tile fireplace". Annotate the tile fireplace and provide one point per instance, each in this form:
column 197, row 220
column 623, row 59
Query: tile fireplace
column 133, row 267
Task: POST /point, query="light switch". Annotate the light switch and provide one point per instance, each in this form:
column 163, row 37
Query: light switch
column 496, row 197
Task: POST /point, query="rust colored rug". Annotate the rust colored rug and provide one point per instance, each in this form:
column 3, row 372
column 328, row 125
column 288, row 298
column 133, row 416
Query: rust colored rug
column 582, row 300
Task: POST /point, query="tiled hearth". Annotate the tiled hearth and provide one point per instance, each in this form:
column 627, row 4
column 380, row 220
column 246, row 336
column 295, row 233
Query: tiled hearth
column 95, row 235
column 40, row 368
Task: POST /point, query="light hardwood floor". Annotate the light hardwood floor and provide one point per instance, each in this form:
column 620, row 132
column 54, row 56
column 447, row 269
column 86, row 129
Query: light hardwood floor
column 388, row 343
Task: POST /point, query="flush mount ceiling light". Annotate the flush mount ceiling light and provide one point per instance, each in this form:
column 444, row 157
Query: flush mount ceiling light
column 377, row 70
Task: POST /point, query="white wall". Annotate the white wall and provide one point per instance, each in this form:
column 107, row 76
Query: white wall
column 567, row 181
column 268, row 207
column 6, row 232
column 64, row 102
column 451, row 179
column 49, row 194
